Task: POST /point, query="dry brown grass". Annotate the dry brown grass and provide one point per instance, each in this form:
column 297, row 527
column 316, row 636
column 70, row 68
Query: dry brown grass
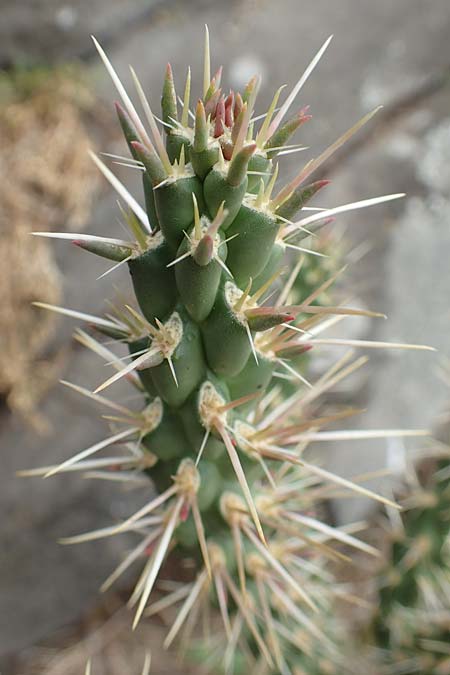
column 46, row 182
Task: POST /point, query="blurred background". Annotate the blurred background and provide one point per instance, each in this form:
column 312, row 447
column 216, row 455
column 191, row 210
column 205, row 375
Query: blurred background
column 55, row 103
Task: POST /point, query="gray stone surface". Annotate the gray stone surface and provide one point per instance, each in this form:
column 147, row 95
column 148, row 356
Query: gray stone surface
column 379, row 51
column 44, row 584
column 406, row 275
column 45, row 31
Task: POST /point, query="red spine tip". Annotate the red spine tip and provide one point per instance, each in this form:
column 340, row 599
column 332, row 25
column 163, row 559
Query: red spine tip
column 184, row 513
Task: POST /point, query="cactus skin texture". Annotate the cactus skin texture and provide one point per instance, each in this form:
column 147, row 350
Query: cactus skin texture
column 213, row 330
column 412, row 627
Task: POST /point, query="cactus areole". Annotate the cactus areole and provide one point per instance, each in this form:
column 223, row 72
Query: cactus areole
column 208, row 345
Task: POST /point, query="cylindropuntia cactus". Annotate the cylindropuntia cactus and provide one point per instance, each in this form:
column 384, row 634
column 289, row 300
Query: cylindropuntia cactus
column 412, row 623
column 222, row 443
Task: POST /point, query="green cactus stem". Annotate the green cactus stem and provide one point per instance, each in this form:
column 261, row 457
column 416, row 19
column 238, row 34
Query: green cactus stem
column 212, row 339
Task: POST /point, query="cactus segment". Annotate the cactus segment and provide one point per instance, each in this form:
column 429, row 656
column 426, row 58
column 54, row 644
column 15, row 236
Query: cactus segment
column 271, row 267
column 210, row 446
column 228, row 188
column 198, row 283
column 165, row 434
column 250, row 250
column 254, row 377
column 225, row 334
column 183, row 366
column 153, row 282
column 174, row 207
column 216, row 190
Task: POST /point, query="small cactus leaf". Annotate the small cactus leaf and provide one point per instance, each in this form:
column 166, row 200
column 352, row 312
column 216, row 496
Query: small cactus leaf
column 175, row 208
column 151, row 161
column 279, row 139
column 169, row 99
column 128, row 128
column 115, row 252
column 204, row 252
column 201, row 129
column 237, row 170
column 154, row 175
column 178, row 375
column 263, row 318
column 204, row 152
column 249, row 252
column 153, row 282
column 299, row 198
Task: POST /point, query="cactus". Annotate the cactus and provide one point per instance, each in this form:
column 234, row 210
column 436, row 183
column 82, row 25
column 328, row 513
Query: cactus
column 412, row 626
column 222, row 443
